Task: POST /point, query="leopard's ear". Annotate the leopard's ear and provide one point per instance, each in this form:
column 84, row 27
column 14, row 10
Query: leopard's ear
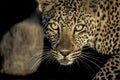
column 46, row 5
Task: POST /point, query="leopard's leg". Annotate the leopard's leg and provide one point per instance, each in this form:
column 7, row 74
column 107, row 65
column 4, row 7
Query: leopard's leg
column 111, row 70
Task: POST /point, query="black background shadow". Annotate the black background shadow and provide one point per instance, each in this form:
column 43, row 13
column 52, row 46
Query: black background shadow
column 14, row 11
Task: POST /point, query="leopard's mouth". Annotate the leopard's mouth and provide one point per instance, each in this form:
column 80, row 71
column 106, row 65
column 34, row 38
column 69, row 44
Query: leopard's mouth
column 65, row 61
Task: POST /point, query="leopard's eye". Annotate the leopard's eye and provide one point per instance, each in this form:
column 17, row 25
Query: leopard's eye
column 52, row 26
column 55, row 27
column 78, row 27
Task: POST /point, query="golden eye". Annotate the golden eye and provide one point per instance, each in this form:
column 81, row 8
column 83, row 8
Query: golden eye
column 78, row 27
column 54, row 27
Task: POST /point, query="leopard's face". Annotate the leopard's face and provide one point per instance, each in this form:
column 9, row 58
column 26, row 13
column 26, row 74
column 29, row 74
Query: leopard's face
column 68, row 35
column 68, row 31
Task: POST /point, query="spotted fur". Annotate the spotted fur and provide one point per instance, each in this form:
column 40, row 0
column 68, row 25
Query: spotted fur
column 72, row 24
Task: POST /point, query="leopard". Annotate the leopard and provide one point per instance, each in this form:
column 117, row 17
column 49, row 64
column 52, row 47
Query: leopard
column 70, row 25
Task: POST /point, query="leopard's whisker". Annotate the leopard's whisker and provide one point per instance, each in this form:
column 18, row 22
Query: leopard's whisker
column 92, row 57
column 86, row 65
column 46, row 57
column 78, row 63
column 84, row 57
column 37, row 62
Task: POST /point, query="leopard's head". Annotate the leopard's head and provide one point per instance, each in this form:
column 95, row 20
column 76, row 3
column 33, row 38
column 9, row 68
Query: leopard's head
column 69, row 26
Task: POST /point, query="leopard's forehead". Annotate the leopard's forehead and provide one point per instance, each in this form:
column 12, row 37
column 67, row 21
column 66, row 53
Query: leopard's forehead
column 67, row 11
column 69, row 7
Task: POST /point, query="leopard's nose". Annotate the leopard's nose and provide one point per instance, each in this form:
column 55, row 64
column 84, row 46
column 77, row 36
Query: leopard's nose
column 65, row 52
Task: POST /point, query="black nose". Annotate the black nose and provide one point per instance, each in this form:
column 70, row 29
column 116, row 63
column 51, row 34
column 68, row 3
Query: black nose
column 65, row 52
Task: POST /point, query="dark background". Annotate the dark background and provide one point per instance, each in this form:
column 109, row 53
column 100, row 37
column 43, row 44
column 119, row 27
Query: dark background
column 14, row 11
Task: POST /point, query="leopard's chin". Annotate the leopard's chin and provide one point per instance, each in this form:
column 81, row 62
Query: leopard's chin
column 65, row 62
